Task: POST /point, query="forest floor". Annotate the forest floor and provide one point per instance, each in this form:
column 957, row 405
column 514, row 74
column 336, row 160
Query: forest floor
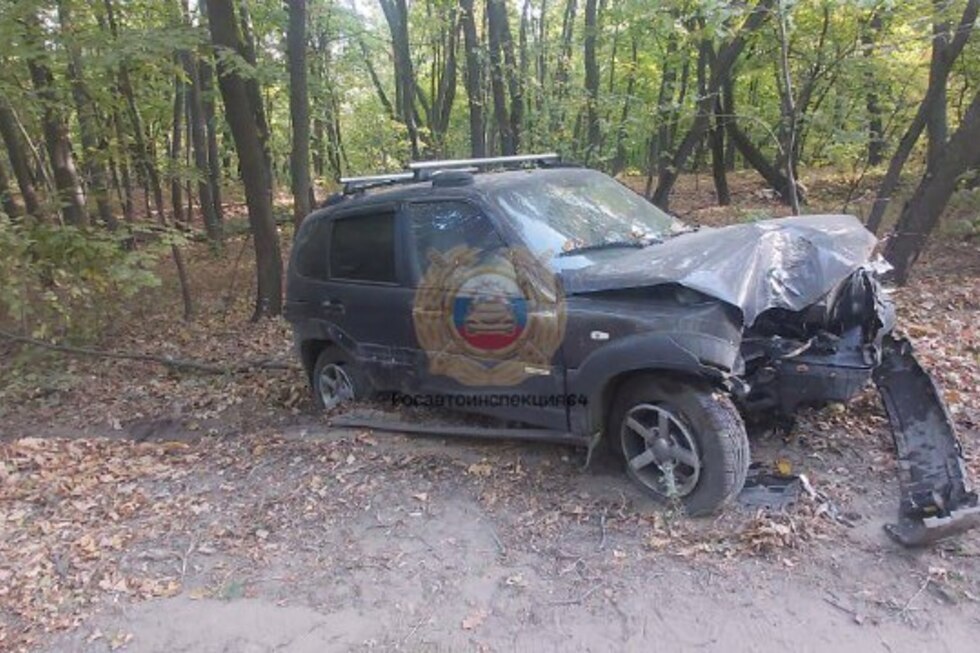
column 148, row 509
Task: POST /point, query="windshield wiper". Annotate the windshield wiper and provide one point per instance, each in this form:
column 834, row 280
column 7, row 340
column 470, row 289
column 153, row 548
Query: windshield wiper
column 635, row 244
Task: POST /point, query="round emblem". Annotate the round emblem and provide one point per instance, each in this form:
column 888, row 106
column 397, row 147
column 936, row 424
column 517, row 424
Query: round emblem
column 486, row 322
column 489, row 312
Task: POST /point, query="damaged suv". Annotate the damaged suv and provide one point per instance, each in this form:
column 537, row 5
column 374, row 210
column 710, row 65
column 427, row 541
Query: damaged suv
column 561, row 302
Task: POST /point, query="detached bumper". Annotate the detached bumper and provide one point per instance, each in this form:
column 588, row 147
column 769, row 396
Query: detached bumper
column 936, row 498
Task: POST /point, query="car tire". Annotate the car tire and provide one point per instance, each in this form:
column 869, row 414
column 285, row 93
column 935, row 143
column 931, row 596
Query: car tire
column 706, row 451
column 336, row 380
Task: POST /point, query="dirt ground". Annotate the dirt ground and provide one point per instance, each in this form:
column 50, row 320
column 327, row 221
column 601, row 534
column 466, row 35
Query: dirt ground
column 145, row 509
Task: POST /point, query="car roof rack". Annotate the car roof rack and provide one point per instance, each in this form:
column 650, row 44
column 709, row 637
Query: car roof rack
column 426, row 170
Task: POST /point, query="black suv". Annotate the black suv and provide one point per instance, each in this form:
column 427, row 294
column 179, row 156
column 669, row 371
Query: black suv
column 563, row 303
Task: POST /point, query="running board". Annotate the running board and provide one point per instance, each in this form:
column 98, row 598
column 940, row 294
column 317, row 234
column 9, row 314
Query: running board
column 936, row 498
column 395, row 425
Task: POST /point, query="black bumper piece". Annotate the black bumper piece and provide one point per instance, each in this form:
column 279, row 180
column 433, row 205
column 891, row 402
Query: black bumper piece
column 936, row 498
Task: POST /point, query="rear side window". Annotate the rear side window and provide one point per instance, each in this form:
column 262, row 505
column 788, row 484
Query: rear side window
column 362, row 248
column 311, row 252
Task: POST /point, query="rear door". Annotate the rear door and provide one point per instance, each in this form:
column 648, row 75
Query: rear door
column 470, row 317
column 364, row 295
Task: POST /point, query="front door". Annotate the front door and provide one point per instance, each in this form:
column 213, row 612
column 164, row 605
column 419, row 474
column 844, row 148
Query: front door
column 489, row 348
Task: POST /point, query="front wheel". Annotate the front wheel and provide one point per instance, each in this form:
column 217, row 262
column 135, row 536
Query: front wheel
column 681, row 441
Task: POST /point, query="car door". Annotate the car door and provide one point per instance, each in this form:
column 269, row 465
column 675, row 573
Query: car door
column 471, row 319
column 365, row 298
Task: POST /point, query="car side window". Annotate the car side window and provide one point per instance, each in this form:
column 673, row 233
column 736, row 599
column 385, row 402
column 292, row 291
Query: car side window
column 311, row 250
column 362, row 248
column 440, row 226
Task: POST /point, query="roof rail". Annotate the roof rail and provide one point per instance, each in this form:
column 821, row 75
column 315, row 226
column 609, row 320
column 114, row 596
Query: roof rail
column 425, row 170
column 421, row 167
column 354, row 184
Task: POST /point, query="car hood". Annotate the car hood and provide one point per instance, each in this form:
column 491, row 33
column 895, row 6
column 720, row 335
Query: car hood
column 786, row 263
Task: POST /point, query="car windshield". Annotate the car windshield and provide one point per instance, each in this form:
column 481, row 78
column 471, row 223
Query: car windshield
column 565, row 211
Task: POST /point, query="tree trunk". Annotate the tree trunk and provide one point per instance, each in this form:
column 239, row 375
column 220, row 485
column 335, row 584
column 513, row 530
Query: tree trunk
column 937, row 127
column 619, row 160
column 938, row 75
column 591, row 80
column 474, row 80
column 241, row 117
column 19, row 161
column 176, row 147
column 55, row 127
column 198, row 124
column 211, row 121
column 723, row 64
column 299, row 110
column 396, row 14
column 92, row 144
column 658, row 154
column 495, row 37
column 922, row 212
column 876, row 130
column 788, row 146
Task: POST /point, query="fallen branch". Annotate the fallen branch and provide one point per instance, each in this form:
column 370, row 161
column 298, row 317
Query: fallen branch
column 173, row 363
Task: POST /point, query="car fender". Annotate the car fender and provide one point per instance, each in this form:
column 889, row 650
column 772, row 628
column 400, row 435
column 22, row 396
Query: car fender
column 696, row 355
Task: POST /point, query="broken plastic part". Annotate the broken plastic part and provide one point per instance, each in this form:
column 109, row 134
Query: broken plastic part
column 936, row 498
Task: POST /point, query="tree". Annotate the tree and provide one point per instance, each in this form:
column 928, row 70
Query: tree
column 939, row 70
column 723, row 64
column 921, row 213
column 241, row 115
column 19, row 163
column 299, row 110
column 56, row 137
column 473, row 80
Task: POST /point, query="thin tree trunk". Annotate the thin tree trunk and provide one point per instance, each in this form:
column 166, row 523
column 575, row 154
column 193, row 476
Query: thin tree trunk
column 198, row 125
column 396, row 15
column 938, row 75
column 474, row 80
column 497, row 88
column 619, row 160
column 242, row 119
column 299, row 110
column 176, row 147
column 591, row 80
column 788, row 146
column 937, row 127
column 922, row 212
column 211, row 121
column 876, row 136
column 56, row 135
column 88, row 126
column 19, row 162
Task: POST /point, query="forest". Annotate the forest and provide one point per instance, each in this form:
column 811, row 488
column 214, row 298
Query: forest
column 132, row 129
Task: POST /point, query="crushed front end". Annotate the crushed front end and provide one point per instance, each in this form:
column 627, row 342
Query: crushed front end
column 827, row 353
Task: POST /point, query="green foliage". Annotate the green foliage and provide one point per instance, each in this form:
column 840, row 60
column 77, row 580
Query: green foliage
column 59, row 279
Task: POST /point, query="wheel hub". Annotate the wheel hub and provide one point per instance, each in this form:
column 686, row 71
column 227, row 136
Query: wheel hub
column 660, row 451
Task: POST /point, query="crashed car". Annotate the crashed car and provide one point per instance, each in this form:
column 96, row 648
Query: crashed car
column 564, row 304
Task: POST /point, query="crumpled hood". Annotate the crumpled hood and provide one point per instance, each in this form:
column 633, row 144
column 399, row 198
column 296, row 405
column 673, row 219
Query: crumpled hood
column 786, row 263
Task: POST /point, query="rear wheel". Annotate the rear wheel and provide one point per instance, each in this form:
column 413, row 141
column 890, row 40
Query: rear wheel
column 336, row 380
column 680, row 442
